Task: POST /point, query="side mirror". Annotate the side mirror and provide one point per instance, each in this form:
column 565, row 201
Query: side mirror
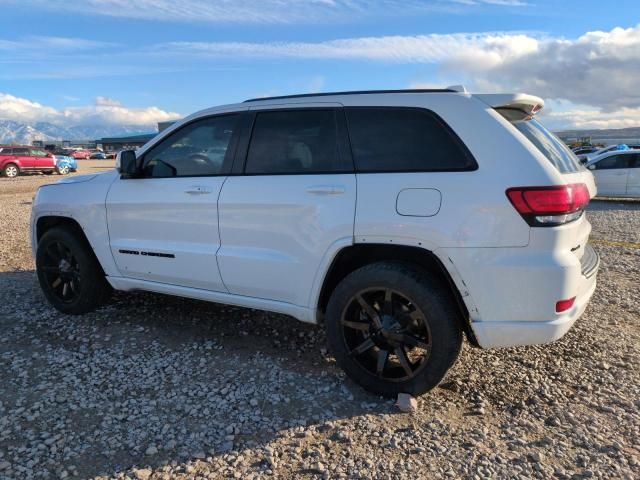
column 591, row 167
column 128, row 164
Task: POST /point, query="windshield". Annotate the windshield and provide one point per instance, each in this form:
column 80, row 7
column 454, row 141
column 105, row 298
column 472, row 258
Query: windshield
column 550, row 145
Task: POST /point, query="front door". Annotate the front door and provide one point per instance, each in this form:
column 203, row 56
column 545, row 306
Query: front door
column 633, row 179
column 163, row 227
column 295, row 202
column 611, row 174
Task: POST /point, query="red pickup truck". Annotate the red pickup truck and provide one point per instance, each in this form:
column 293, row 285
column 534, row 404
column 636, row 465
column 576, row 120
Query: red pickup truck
column 17, row 158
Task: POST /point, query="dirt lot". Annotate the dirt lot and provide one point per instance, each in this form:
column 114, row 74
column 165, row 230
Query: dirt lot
column 160, row 387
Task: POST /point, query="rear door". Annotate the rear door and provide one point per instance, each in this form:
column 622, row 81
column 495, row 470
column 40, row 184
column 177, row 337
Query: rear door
column 633, row 179
column 611, row 174
column 292, row 202
column 22, row 155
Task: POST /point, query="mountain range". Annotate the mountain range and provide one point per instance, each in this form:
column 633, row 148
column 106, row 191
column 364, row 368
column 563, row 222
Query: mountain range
column 12, row 131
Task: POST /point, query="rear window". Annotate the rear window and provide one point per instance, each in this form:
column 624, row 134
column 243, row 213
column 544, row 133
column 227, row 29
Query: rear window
column 551, row 146
column 404, row 140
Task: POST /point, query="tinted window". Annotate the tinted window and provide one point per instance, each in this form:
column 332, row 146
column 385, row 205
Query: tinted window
column 396, row 139
column 613, row 162
column 294, row 141
column 21, row 151
column 199, row 148
column 6, row 151
column 549, row 145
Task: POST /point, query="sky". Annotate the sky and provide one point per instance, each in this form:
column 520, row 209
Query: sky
column 136, row 62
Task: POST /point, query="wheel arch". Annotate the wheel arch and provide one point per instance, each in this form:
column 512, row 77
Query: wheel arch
column 355, row 256
column 47, row 222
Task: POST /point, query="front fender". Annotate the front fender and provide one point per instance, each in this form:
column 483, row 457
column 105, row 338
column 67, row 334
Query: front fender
column 84, row 203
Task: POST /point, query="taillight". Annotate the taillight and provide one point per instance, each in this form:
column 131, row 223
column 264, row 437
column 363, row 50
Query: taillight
column 564, row 305
column 549, row 206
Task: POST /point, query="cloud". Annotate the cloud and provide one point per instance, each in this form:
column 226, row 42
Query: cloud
column 257, row 11
column 434, row 48
column 589, row 118
column 105, row 111
column 598, row 70
column 49, row 45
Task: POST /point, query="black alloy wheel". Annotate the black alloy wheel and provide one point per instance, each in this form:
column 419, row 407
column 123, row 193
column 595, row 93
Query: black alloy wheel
column 386, row 333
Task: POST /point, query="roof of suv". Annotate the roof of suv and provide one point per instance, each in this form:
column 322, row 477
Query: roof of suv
column 354, row 92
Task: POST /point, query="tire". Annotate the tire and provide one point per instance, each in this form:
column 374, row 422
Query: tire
column 69, row 273
column 63, row 170
column 11, row 170
column 48, row 172
column 414, row 313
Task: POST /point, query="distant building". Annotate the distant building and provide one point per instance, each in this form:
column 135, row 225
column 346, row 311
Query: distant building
column 132, row 142
column 53, row 144
column 164, row 125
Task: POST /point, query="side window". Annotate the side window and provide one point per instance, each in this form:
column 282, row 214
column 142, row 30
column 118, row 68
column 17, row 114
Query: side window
column 197, row 149
column 38, row 153
column 294, row 141
column 613, row 162
column 6, row 151
column 24, row 152
column 404, row 139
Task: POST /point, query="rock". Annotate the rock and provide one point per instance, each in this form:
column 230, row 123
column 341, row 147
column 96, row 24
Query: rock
column 151, row 450
column 406, row 403
column 142, row 473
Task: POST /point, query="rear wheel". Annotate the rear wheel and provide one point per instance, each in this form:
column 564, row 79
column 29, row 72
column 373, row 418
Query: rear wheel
column 11, row 170
column 69, row 273
column 393, row 329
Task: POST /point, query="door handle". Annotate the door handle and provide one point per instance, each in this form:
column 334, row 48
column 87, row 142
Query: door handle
column 197, row 190
column 326, row 189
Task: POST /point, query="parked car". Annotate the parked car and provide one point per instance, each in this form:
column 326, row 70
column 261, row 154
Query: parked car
column 98, row 154
column 80, row 154
column 584, row 158
column 65, row 164
column 617, row 173
column 461, row 223
column 20, row 158
column 585, row 150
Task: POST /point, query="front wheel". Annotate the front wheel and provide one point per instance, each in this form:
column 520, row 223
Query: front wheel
column 69, row 273
column 63, row 170
column 393, row 329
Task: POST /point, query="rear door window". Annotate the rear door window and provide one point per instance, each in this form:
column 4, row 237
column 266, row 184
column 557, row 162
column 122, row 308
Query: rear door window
column 385, row 139
column 614, row 162
column 21, row 152
column 294, row 142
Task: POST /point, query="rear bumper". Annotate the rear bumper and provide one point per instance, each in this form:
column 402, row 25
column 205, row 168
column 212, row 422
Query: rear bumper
column 514, row 292
column 509, row 334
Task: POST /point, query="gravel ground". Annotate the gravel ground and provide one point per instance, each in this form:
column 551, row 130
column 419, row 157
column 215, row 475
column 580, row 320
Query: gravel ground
column 158, row 387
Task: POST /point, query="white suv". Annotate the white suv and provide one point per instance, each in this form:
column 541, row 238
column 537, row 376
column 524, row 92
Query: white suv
column 399, row 219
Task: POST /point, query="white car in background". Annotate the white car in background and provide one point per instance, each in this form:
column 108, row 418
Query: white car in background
column 617, row 173
column 586, row 157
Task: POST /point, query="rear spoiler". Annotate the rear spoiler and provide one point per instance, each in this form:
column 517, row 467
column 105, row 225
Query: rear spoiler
column 529, row 104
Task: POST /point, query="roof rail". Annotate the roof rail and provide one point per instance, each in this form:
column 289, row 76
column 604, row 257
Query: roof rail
column 355, row 92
